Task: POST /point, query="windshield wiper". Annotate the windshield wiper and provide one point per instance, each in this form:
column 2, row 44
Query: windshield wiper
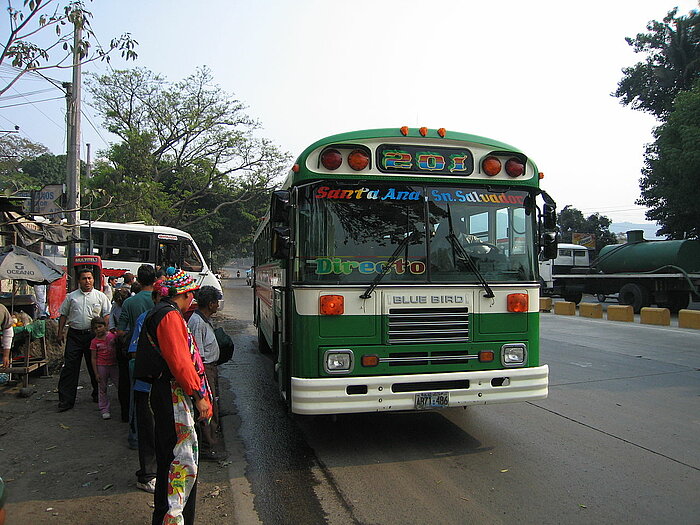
column 461, row 254
column 387, row 267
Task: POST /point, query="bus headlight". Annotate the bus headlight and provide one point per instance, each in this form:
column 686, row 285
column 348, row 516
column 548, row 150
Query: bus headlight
column 513, row 354
column 338, row 361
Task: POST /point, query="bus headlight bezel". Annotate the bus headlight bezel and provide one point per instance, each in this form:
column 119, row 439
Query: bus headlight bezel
column 338, row 361
column 513, row 355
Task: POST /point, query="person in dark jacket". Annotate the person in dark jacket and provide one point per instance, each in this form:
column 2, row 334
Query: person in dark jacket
column 168, row 358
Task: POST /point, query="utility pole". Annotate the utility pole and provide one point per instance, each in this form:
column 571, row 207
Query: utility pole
column 73, row 148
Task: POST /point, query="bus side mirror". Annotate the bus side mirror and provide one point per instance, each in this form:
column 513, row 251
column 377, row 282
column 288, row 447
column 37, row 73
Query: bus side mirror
column 280, row 243
column 279, row 207
column 549, row 245
column 549, row 217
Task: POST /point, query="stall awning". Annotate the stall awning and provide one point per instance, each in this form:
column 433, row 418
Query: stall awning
column 30, row 231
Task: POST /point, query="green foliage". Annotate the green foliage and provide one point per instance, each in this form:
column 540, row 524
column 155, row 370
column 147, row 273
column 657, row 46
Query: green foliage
column 40, row 38
column 671, row 177
column 571, row 220
column 672, row 64
column 189, row 157
column 15, row 152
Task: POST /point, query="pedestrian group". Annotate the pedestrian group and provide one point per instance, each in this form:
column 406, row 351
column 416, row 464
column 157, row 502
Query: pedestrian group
column 163, row 367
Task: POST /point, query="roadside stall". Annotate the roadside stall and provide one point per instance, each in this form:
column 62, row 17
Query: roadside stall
column 19, row 264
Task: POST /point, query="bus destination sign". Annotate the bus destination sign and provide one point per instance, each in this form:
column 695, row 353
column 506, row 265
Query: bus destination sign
column 392, row 158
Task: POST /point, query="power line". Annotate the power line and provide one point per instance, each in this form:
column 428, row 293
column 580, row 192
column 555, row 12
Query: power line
column 25, row 95
column 94, row 127
column 40, row 111
column 29, row 102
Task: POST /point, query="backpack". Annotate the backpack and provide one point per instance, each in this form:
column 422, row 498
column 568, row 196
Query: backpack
column 149, row 364
column 225, row 346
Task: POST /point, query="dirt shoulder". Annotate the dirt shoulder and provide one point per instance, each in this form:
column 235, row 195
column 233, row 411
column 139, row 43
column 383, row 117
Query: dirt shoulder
column 73, row 467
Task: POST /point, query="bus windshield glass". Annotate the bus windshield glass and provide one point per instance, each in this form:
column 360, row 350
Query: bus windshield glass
column 347, row 232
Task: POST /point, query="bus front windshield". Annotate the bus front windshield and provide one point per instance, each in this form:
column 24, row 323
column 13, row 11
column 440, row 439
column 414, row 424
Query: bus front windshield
column 348, row 233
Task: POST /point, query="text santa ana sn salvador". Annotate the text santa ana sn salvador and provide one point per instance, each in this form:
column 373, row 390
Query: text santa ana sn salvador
column 436, row 195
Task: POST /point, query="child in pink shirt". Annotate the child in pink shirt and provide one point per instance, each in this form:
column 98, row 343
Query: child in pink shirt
column 104, row 362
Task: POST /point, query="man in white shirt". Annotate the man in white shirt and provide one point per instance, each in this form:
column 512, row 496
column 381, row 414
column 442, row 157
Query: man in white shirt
column 203, row 332
column 77, row 311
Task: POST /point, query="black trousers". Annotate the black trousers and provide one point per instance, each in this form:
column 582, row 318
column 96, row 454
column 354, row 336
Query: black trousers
column 146, row 437
column 124, row 386
column 77, row 348
column 165, row 440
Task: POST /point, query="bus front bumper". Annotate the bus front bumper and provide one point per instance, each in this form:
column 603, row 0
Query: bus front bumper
column 398, row 392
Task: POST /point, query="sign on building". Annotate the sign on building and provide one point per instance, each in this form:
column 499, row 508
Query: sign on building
column 584, row 239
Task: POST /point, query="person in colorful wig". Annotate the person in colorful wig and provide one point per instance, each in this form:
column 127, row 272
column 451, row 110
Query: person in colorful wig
column 167, row 357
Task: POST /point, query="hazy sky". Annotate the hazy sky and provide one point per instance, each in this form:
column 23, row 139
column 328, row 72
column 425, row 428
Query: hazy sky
column 537, row 75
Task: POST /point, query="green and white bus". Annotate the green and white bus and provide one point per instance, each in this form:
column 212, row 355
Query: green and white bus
column 397, row 269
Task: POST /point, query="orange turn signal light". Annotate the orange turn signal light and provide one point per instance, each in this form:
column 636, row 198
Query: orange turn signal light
column 518, row 302
column 541, row 175
column 486, row 356
column 295, row 168
column 332, row 305
column 370, row 360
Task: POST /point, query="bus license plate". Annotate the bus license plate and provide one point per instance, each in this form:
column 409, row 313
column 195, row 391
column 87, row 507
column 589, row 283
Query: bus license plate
column 427, row 400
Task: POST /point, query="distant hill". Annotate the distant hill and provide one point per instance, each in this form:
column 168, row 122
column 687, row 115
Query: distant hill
column 648, row 228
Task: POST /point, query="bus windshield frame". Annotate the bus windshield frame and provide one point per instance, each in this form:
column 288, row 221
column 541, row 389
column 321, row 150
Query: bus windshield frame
column 346, row 231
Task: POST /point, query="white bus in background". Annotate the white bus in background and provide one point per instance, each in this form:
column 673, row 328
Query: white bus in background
column 124, row 247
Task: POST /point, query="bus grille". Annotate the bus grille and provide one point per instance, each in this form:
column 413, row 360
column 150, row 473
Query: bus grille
column 428, row 325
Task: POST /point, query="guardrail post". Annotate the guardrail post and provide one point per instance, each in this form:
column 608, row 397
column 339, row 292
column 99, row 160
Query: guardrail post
column 658, row 316
column 619, row 312
column 689, row 319
column 593, row 310
column 565, row 308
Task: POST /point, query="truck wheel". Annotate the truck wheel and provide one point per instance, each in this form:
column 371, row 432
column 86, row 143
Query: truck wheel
column 573, row 297
column 634, row 295
column 676, row 301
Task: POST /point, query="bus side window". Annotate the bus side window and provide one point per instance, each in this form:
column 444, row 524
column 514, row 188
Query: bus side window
column 190, row 258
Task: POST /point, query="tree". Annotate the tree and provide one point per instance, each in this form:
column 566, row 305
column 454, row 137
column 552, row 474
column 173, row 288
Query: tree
column 672, row 64
column 35, row 20
column 572, row 220
column 671, row 176
column 189, row 156
column 14, row 152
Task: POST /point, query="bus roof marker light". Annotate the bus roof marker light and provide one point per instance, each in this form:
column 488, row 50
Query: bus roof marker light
column 442, row 132
column 518, row 302
column 541, row 175
column 295, row 168
column 515, row 167
column 404, row 130
column 423, row 131
column 358, row 160
column 331, row 159
column 491, row 166
column 332, row 305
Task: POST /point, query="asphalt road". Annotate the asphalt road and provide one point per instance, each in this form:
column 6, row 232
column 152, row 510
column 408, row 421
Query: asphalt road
column 615, row 442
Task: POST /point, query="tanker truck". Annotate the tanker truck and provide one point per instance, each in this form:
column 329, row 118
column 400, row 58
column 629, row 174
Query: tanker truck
column 641, row 273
